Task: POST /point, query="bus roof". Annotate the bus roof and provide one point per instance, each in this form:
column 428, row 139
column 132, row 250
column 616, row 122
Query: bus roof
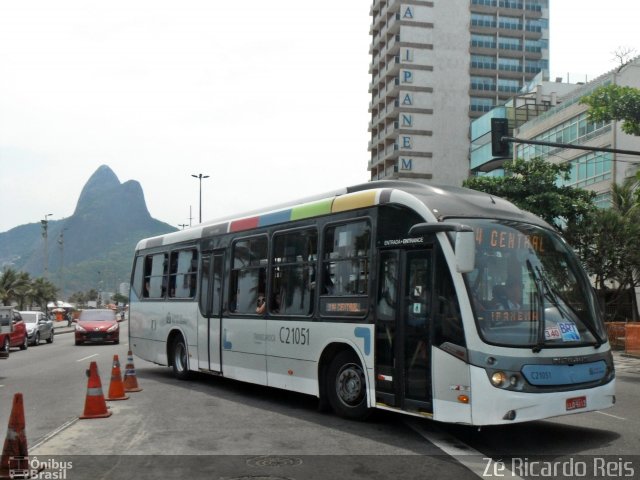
column 434, row 203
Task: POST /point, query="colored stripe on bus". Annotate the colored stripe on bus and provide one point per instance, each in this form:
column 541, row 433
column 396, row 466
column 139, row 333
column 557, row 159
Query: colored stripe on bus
column 244, row 224
column 313, row 209
column 353, row 201
column 273, row 218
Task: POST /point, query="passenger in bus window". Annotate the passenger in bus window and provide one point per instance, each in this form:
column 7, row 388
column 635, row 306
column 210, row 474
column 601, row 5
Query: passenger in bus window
column 261, row 305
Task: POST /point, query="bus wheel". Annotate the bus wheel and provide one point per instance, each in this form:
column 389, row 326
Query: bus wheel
column 180, row 360
column 347, row 387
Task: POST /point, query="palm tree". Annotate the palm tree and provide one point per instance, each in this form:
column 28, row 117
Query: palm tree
column 11, row 285
column 626, row 200
column 606, row 241
column 22, row 293
column 42, row 292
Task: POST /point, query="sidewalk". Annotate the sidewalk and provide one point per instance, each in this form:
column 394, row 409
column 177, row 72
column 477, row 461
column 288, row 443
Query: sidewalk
column 61, row 327
column 626, row 363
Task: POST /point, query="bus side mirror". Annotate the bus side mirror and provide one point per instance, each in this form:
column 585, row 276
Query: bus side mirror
column 465, row 251
column 465, row 242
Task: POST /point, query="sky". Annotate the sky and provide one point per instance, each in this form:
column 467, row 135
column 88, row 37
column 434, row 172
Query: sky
column 270, row 99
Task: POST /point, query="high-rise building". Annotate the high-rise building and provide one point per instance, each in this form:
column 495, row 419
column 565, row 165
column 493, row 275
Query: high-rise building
column 438, row 64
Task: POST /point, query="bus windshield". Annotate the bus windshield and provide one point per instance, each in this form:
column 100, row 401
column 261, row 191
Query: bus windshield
column 528, row 290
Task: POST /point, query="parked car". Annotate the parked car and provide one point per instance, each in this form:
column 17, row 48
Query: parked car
column 100, row 325
column 39, row 327
column 18, row 336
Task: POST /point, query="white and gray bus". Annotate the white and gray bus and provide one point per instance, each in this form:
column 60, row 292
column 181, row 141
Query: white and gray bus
column 440, row 302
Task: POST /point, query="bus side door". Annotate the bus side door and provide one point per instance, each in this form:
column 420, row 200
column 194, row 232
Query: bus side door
column 404, row 316
column 210, row 318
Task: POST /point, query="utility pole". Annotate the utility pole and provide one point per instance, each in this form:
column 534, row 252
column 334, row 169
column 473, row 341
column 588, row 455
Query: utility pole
column 45, row 235
column 183, row 225
column 61, row 244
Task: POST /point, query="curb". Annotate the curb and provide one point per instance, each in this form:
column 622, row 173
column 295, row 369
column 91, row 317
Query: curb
column 61, row 330
column 630, row 355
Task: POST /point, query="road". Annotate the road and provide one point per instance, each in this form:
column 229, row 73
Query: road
column 212, row 427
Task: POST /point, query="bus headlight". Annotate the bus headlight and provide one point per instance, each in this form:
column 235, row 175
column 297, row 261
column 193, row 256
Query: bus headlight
column 498, row 379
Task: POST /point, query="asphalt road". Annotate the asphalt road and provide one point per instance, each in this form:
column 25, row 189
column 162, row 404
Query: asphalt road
column 212, row 427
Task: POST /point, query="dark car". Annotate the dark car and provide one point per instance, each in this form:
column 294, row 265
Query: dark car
column 99, row 325
column 39, row 327
column 17, row 337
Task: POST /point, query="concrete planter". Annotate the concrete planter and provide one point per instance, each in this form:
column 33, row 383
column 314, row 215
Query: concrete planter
column 632, row 338
column 616, row 334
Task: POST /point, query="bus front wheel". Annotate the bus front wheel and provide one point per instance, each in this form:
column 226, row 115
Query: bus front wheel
column 347, row 386
column 180, row 359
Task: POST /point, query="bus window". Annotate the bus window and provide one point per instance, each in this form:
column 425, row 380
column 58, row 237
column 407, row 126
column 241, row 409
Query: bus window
column 293, row 272
column 447, row 317
column 248, row 275
column 182, row 274
column 205, row 267
column 345, row 269
column 346, row 259
column 138, row 275
column 387, row 287
column 155, row 275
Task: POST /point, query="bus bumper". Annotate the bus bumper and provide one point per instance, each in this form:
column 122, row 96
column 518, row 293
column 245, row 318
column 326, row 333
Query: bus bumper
column 497, row 406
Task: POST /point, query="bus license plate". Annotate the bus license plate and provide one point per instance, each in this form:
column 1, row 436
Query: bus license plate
column 577, row 402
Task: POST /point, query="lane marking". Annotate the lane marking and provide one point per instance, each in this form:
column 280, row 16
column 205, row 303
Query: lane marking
column 87, row 358
column 462, row 453
column 53, row 433
column 611, row 415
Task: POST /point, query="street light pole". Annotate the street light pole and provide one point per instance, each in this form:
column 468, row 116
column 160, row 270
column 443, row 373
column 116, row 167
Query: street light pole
column 200, row 177
column 61, row 243
column 45, row 226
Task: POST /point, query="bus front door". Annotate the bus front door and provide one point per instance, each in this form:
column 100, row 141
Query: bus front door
column 210, row 317
column 403, row 366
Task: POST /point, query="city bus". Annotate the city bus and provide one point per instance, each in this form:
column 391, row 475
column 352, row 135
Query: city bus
column 438, row 302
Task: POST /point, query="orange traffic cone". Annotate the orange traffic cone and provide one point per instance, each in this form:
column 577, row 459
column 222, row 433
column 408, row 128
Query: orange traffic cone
column 95, row 406
column 130, row 379
column 14, row 453
column 116, row 387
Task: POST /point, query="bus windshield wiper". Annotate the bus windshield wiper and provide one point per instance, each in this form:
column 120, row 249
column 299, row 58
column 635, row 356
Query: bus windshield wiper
column 539, row 310
column 553, row 298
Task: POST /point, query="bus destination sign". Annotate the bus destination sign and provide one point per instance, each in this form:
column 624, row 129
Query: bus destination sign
column 495, row 238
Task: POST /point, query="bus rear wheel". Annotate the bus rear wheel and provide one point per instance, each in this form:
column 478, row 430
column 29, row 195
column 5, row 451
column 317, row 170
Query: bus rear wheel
column 347, row 386
column 180, row 359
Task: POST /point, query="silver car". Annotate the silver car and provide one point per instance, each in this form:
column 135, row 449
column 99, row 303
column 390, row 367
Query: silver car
column 39, row 327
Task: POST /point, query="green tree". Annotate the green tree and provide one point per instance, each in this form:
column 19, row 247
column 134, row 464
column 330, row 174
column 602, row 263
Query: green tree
column 78, row 297
column 23, row 292
column 533, row 186
column 118, row 298
column 43, row 292
column 606, row 242
column 12, row 283
column 92, row 294
column 613, row 102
